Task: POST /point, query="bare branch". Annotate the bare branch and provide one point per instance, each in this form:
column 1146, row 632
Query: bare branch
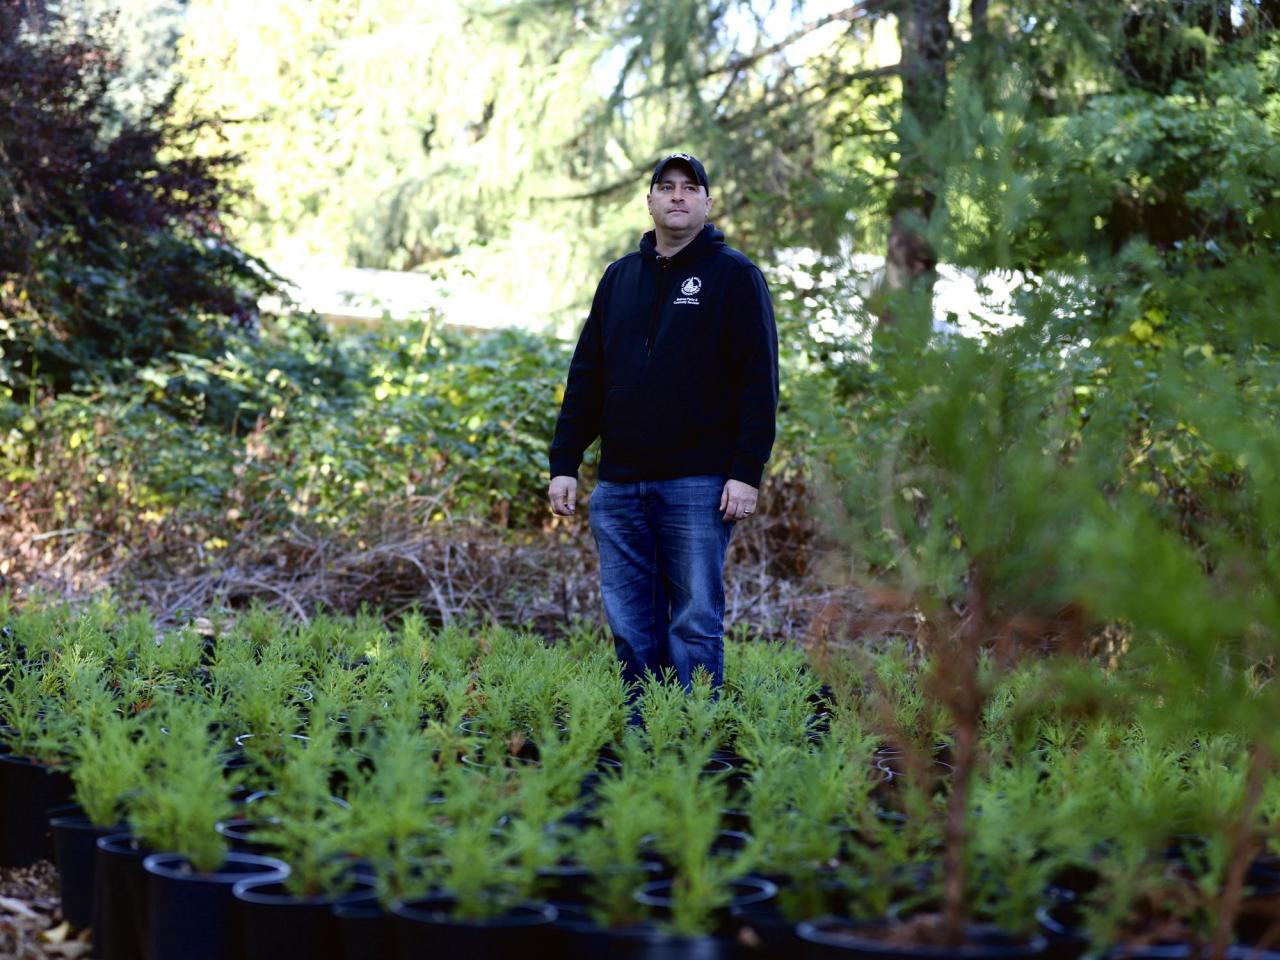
column 859, row 11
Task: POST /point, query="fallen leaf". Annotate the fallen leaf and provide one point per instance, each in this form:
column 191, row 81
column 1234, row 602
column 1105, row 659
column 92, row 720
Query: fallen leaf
column 71, row 949
column 56, row 934
column 17, row 908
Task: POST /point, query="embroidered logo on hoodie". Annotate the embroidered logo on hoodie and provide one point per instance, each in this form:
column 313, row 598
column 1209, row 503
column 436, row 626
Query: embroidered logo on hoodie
column 690, row 290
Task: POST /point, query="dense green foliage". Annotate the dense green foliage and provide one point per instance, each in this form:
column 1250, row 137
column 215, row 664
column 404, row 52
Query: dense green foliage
column 1101, row 475
column 1139, row 392
column 339, row 729
column 1118, row 161
column 112, row 249
column 331, row 430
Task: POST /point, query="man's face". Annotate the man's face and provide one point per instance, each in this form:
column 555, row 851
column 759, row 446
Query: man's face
column 677, row 202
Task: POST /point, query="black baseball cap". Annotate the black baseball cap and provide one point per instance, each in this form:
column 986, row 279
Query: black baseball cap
column 693, row 163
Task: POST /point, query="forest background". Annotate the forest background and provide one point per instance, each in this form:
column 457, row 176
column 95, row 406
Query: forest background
column 1094, row 446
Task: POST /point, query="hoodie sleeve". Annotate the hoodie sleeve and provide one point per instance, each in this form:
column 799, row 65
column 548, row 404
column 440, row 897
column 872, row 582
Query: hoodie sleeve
column 755, row 373
column 583, row 405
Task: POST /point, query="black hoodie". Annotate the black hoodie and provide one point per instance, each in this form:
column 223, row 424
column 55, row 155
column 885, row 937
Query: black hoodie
column 676, row 368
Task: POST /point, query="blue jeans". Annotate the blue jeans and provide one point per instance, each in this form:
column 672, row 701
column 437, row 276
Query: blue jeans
column 662, row 545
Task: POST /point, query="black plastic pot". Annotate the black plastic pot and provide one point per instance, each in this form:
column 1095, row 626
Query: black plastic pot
column 566, row 882
column 739, row 777
column 747, row 892
column 1065, row 938
column 427, row 930
column 730, row 842
column 28, row 791
column 275, row 923
column 726, row 842
column 259, row 795
column 763, row 933
column 119, row 915
column 482, row 762
column 895, row 767
column 365, row 930
column 192, row 914
column 582, row 939
column 739, row 767
column 75, row 845
column 241, row 739
column 1185, row 951
column 234, row 761
column 718, row 766
column 569, row 882
column 605, row 766
column 244, row 835
column 835, row 938
column 473, row 727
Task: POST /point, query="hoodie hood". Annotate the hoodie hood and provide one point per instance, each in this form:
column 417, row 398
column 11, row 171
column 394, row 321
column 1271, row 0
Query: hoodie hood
column 707, row 240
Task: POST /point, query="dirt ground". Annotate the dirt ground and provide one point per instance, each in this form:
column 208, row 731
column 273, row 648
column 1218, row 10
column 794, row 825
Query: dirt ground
column 31, row 925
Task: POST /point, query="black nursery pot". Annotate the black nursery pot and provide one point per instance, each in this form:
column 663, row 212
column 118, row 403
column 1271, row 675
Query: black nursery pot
column 28, row 791
column 427, row 930
column 119, row 914
column 1065, row 938
column 75, row 845
column 193, row 915
column 836, row 938
column 242, row 834
column 1185, row 951
column 276, row 923
column 365, row 930
column 581, row 939
column 764, row 932
column 566, row 882
column 748, row 893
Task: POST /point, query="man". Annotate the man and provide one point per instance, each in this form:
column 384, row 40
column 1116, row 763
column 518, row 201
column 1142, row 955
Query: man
column 676, row 371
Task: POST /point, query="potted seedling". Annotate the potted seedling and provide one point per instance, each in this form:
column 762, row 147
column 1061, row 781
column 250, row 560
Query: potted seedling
column 315, row 834
column 395, row 814
column 771, row 692
column 614, row 850
column 258, row 694
column 799, row 806
column 543, row 797
column 33, row 771
column 108, row 765
column 476, row 904
column 189, row 882
column 704, row 883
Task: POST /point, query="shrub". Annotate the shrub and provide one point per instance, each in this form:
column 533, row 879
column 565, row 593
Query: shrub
column 112, row 248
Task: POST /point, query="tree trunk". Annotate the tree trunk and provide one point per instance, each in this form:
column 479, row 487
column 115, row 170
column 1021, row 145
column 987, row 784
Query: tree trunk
column 924, row 32
column 978, row 17
column 1269, row 13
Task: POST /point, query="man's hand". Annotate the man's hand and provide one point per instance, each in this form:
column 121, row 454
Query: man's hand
column 738, row 500
column 564, row 496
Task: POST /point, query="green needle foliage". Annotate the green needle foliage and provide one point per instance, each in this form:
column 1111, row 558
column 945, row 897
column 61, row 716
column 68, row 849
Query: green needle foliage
column 110, row 760
column 395, row 814
column 615, row 847
column 1145, row 793
column 312, row 829
column 184, row 791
